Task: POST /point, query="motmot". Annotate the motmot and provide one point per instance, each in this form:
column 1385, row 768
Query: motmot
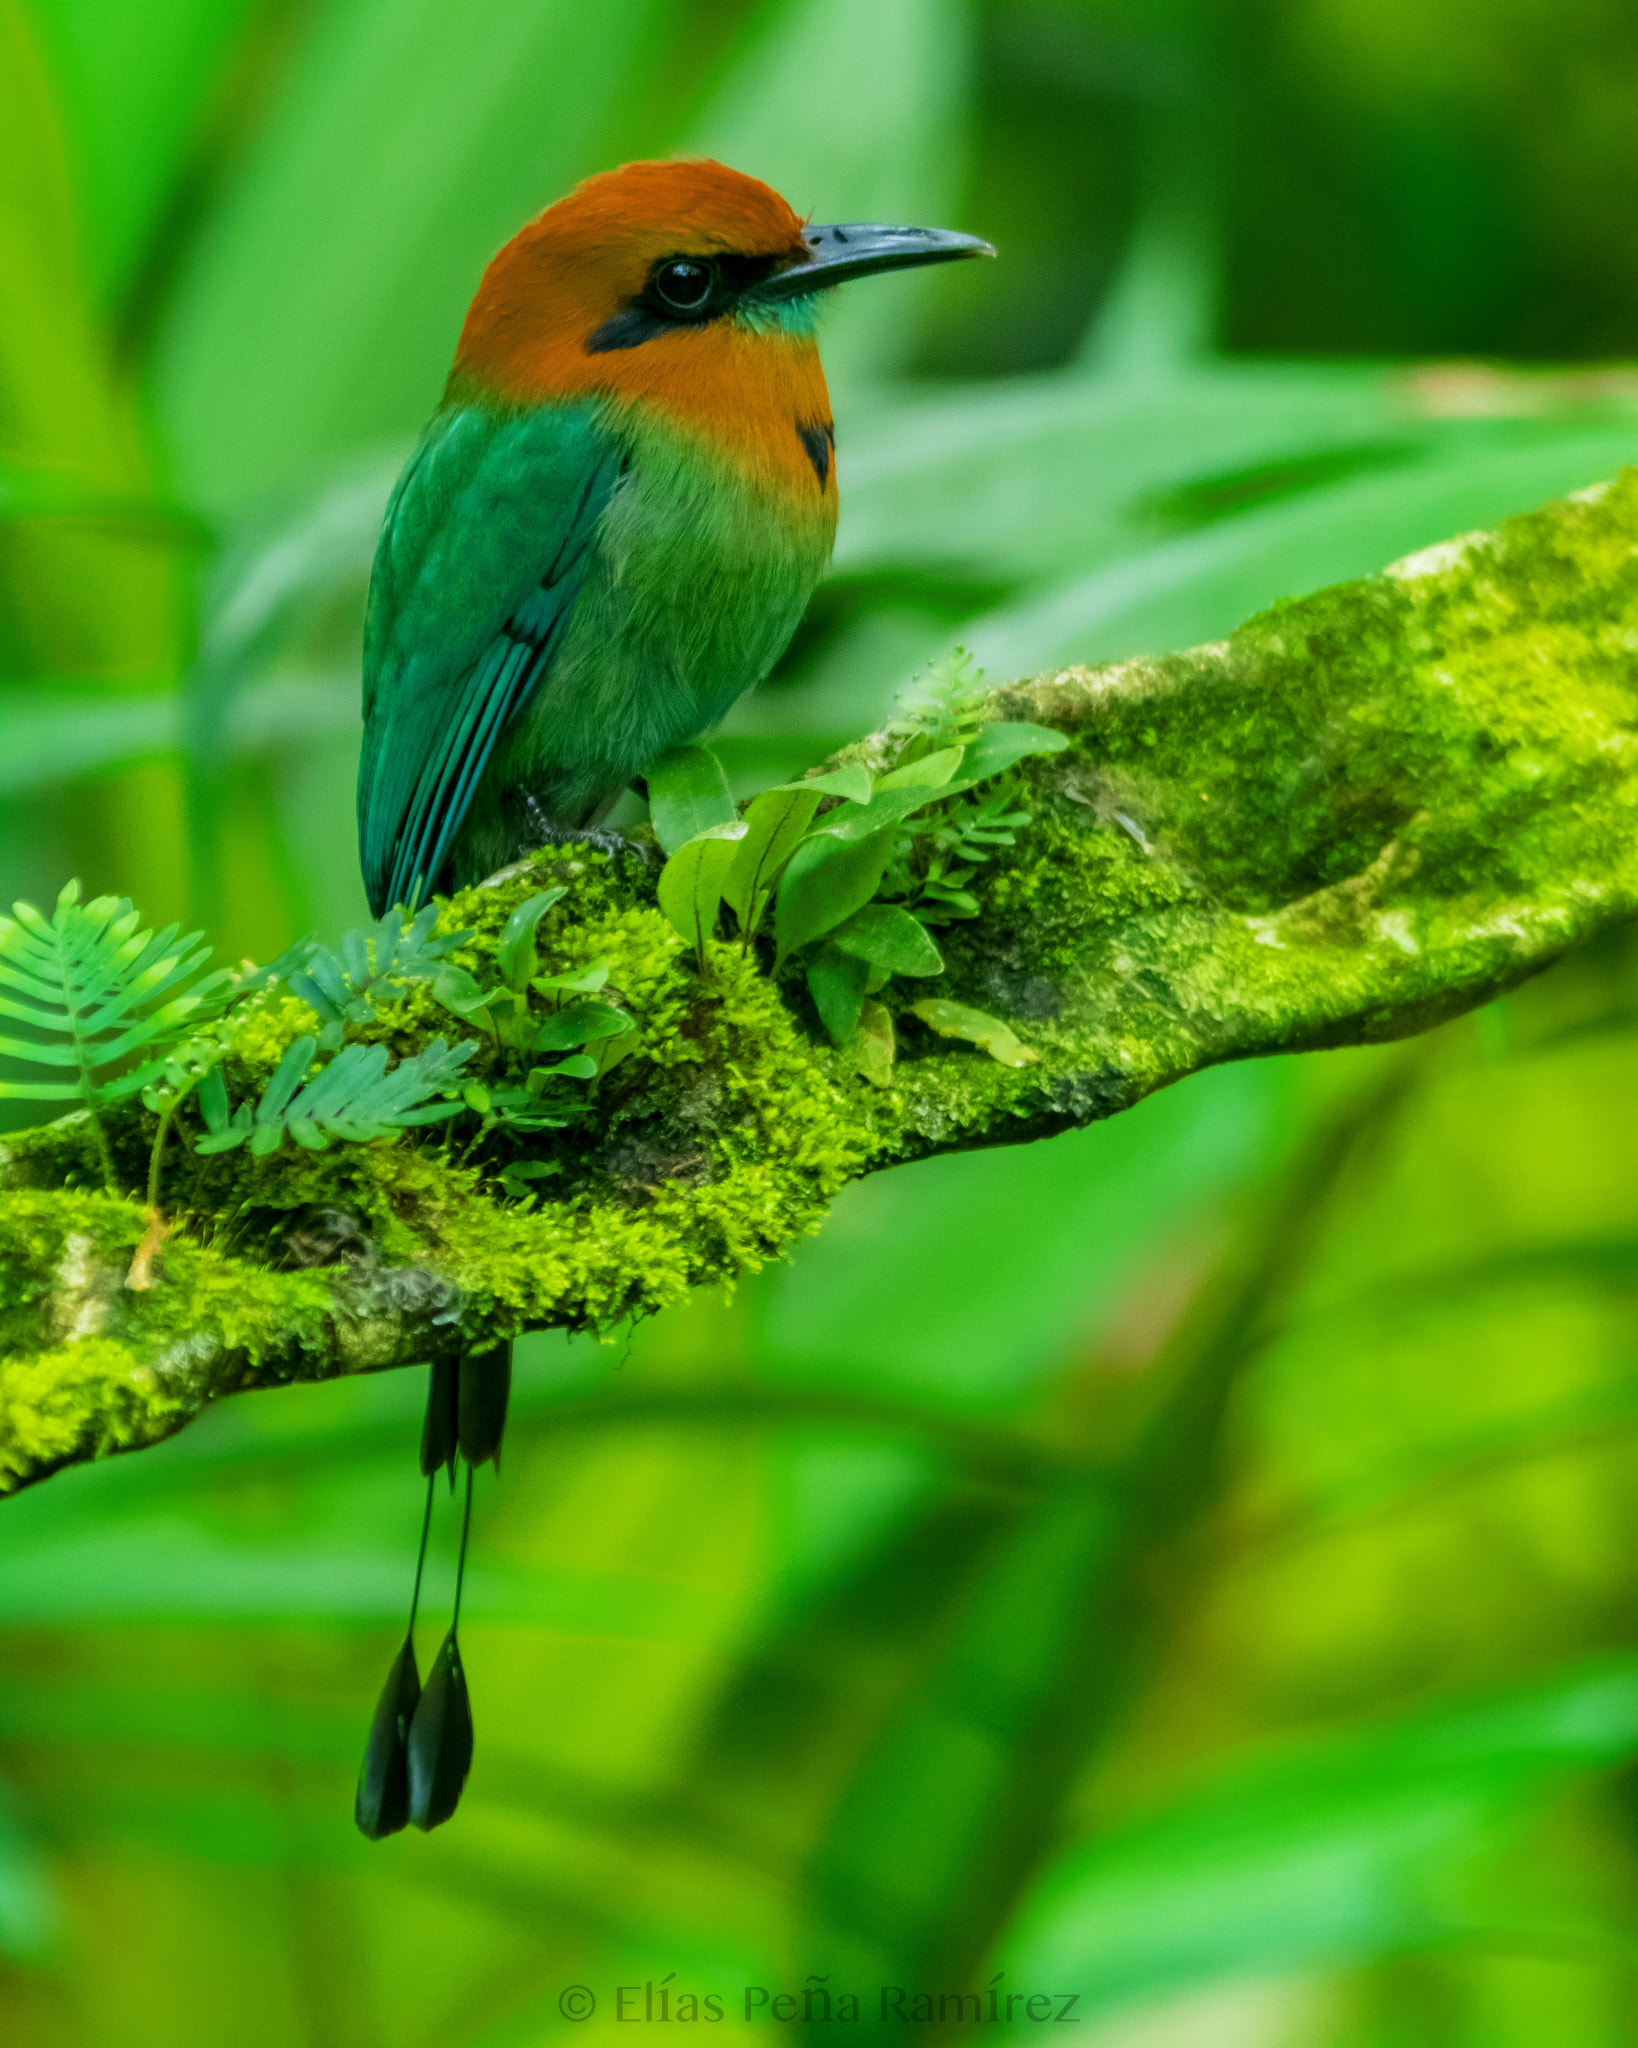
column 613, row 522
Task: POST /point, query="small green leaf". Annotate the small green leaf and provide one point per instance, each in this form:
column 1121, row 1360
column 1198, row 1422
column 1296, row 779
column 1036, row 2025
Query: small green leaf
column 225, row 1126
column 580, row 1066
column 693, row 879
column 890, row 938
column 998, row 746
column 609, row 1052
column 837, row 984
column 886, row 807
column 956, row 1020
column 515, row 955
column 774, row 826
column 456, row 990
column 578, row 1023
column 932, row 771
column 824, row 883
column 851, row 783
column 871, row 1048
column 583, row 981
column 276, row 1096
column 687, row 795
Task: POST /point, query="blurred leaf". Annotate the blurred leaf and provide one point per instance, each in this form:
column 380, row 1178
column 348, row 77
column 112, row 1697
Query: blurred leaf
column 134, row 84
column 1195, row 589
column 844, row 140
column 999, row 746
column 56, row 733
column 73, row 596
column 1026, row 479
column 1356, row 1845
column 931, row 771
column 319, row 312
column 853, row 783
column 999, row 1259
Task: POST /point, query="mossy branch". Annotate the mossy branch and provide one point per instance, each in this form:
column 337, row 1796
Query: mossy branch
column 1365, row 812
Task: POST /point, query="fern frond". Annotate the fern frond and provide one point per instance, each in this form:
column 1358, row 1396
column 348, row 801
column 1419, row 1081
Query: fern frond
column 356, row 1097
column 340, row 987
column 941, row 707
column 95, row 989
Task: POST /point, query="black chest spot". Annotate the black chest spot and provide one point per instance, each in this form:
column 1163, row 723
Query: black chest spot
column 818, row 438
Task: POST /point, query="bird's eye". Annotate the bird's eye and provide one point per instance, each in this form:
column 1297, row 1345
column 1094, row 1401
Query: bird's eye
column 682, row 286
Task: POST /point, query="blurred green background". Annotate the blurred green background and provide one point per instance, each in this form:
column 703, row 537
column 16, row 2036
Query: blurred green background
column 1191, row 1564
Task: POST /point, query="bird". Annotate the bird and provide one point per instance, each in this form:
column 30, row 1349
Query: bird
column 612, row 524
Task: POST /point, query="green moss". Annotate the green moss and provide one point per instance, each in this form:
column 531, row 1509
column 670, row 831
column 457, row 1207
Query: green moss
column 51, row 1243
column 1365, row 810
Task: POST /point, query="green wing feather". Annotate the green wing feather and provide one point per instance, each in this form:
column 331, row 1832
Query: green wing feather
column 486, row 544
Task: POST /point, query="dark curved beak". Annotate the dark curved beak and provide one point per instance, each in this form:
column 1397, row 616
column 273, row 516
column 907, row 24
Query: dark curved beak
column 859, row 248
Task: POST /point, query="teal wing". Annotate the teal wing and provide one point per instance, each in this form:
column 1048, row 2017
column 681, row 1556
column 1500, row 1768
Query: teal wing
column 486, row 544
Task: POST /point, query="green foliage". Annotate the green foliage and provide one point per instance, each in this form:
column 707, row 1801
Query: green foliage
column 775, row 824
column 104, row 1000
column 958, row 1020
column 694, row 879
column 98, row 992
column 687, row 796
column 941, row 708
column 905, row 835
column 824, row 882
column 531, row 1012
column 344, row 987
column 355, row 1096
column 797, row 1629
column 939, row 857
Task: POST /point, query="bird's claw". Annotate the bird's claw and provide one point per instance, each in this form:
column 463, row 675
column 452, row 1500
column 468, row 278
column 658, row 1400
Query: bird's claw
column 550, row 834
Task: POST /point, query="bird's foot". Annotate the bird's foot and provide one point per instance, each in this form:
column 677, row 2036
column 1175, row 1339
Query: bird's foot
column 545, row 832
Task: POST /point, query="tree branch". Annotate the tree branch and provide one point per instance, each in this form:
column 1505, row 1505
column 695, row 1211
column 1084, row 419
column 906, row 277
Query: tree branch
column 1365, row 812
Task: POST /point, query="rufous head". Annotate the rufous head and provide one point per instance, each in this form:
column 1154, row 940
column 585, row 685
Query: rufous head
column 652, row 258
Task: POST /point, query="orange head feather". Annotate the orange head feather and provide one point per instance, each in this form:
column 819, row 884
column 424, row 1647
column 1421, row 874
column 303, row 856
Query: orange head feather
column 684, row 293
column 583, row 262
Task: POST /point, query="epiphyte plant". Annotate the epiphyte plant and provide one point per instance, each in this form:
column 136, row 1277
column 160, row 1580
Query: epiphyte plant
column 98, row 993
column 860, row 868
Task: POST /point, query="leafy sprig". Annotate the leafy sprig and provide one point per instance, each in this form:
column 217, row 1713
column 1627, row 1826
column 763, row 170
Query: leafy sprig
column 942, row 707
column 102, row 998
column 856, row 888
column 561, row 1017
column 356, row 1096
column 346, row 986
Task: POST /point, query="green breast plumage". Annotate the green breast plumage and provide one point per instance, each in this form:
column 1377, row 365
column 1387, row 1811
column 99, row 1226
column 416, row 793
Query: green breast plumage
column 560, row 593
